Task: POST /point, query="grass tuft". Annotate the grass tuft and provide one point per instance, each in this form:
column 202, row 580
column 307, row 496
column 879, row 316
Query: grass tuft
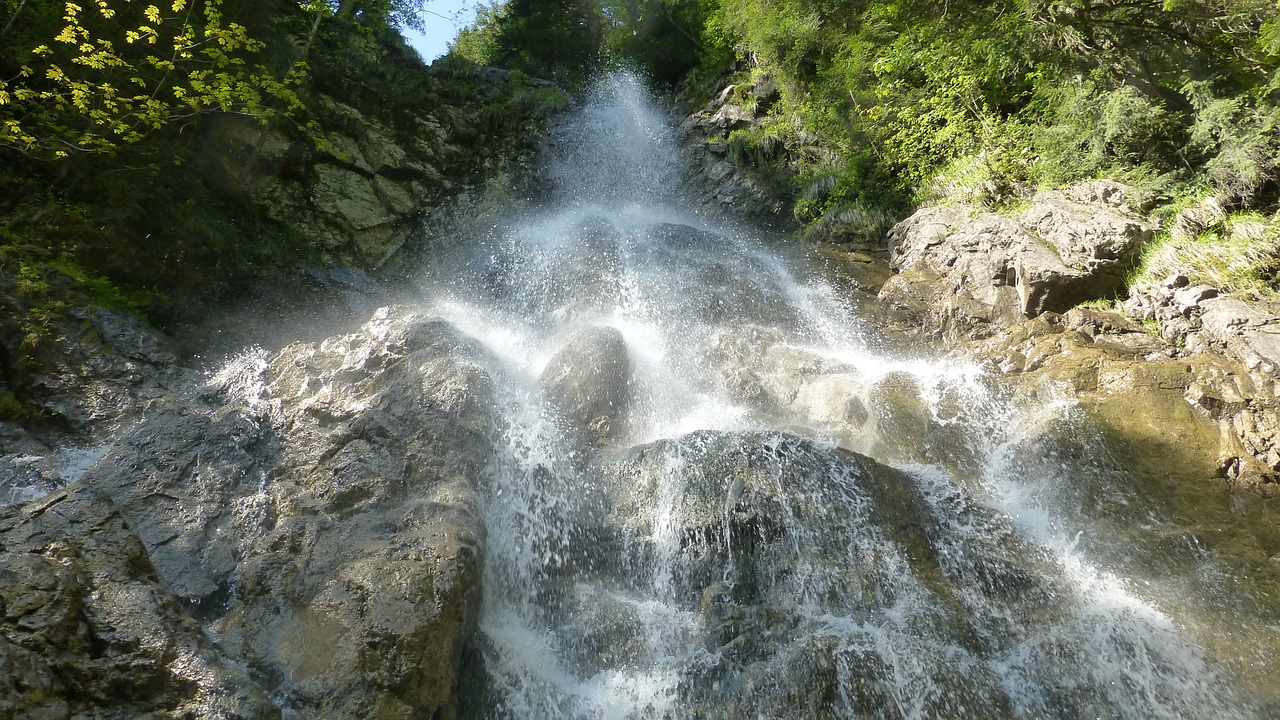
column 1240, row 256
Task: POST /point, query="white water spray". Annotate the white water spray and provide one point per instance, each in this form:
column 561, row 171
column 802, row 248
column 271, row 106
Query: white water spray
column 710, row 548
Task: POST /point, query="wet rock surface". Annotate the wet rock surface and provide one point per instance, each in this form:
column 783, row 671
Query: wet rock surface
column 589, row 380
column 300, row 535
column 1242, row 390
column 90, row 369
column 1180, row 359
column 315, row 512
column 88, row 630
column 1212, row 411
column 780, row 536
column 71, row 389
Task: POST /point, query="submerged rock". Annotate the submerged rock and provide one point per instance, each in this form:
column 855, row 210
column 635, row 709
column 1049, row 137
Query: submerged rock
column 589, row 380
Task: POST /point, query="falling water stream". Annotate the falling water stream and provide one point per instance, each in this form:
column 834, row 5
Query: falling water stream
column 683, row 520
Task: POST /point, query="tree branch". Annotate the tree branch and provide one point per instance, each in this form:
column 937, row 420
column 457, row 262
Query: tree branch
column 12, row 18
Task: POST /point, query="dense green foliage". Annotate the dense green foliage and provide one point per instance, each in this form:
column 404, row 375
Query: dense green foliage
column 374, row 13
column 569, row 40
column 889, row 104
column 88, row 80
column 554, row 39
column 667, row 38
column 993, row 96
column 882, row 104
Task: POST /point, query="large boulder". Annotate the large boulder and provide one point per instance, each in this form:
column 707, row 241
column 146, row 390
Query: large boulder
column 780, row 545
column 965, row 272
column 65, row 391
column 589, row 380
column 956, row 268
column 319, row 513
column 893, row 415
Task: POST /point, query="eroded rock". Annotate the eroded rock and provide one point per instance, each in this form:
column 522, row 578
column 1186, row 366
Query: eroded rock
column 1208, row 414
column 320, row 514
column 749, row 508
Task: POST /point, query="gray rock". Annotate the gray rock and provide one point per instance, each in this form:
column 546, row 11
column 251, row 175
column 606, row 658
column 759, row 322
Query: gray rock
column 131, row 338
column 981, row 271
column 589, row 380
column 91, row 370
column 359, row 193
column 956, row 269
column 370, row 210
column 724, row 185
column 1100, row 237
column 749, row 508
column 324, row 524
column 1107, row 192
column 1211, row 400
column 731, row 117
column 86, row 630
column 1188, row 299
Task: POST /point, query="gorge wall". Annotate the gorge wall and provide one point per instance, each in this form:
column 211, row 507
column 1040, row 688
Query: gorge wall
column 302, row 528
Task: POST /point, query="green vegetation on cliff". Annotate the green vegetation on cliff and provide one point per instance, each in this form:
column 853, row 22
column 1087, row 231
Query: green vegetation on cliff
column 886, row 105
column 985, row 98
column 141, row 143
column 230, row 145
column 108, row 111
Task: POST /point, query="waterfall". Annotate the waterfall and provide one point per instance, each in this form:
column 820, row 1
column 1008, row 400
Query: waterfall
column 719, row 494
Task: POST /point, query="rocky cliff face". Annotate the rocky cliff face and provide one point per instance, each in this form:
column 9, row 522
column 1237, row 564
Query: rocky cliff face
column 715, row 130
column 298, row 534
column 376, row 173
column 89, row 630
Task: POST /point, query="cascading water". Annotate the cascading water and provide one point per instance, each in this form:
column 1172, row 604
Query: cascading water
column 678, row 524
